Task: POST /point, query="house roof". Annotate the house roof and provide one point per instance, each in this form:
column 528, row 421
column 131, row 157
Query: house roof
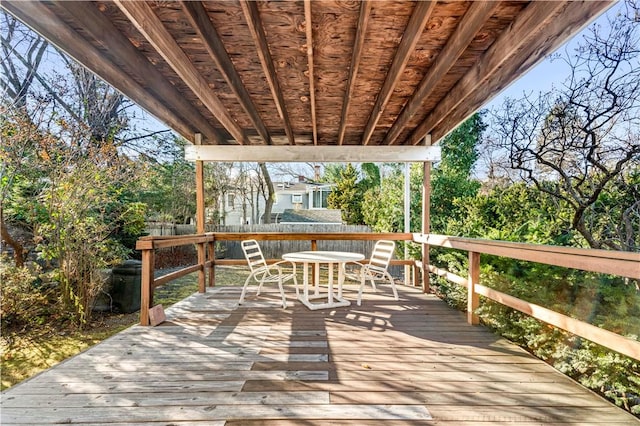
column 311, row 216
column 322, row 72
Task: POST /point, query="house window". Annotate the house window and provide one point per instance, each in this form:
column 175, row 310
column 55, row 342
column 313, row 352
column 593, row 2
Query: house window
column 296, row 198
column 320, row 198
column 230, row 200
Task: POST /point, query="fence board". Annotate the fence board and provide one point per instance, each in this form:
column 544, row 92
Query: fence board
column 275, row 249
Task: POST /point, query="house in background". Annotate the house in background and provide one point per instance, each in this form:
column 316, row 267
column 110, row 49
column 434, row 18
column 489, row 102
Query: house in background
column 304, row 195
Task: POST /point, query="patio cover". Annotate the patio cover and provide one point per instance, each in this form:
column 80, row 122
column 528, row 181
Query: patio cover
column 309, row 73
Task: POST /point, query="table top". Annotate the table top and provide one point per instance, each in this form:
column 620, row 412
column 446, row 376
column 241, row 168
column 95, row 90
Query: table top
column 322, row 256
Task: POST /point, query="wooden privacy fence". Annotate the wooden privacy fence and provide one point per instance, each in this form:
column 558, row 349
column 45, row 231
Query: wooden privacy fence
column 273, row 249
column 622, row 264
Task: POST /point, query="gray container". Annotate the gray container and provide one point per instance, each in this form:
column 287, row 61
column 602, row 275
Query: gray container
column 125, row 286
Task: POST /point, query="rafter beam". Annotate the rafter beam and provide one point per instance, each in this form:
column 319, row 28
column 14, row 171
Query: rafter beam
column 516, row 50
column 104, row 32
column 311, row 153
column 149, row 25
column 252, row 16
column 199, row 20
column 40, row 18
column 312, row 88
column 476, row 17
column 410, row 38
column 356, row 55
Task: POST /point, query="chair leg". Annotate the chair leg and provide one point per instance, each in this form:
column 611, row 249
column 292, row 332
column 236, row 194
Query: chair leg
column 362, row 280
column 393, row 285
column 284, row 299
column 295, row 283
column 244, row 289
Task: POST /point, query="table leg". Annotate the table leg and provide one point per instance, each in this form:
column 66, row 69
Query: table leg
column 330, row 272
column 340, row 279
column 316, row 275
column 305, row 281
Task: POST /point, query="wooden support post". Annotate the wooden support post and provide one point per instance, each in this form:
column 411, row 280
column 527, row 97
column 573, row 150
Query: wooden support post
column 199, row 190
column 426, row 195
column 211, row 256
column 146, row 284
column 473, row 299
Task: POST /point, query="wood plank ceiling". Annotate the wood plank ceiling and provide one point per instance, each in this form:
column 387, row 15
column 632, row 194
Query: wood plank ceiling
column 322, row 72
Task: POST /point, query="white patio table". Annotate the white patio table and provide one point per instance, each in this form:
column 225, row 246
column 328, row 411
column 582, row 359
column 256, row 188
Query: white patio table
column 315, row 258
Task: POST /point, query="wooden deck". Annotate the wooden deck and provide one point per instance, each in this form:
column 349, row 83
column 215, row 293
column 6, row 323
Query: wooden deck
column 410, row 362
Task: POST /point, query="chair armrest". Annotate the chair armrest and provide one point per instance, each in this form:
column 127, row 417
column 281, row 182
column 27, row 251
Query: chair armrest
column 278, row 265
column 354, row 275
column 290, row 263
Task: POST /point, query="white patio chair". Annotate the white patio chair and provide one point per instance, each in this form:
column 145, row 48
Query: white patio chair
column 264, row 273
column 376, row 269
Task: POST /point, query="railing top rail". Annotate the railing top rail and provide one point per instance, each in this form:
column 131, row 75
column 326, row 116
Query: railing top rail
column 154, row 242
column 324, row 236
column 626, row 264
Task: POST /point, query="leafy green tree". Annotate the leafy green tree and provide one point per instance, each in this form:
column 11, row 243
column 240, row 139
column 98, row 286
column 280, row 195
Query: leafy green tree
column 167, row 187
column 332, row 172
column 451, row 179
column 382, row 206
column 66, row 177
column 370, row 176
column 347, row 196
column 82, row 205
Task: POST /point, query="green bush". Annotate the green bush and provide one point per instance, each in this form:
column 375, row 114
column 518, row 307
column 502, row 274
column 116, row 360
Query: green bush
column 23, row 302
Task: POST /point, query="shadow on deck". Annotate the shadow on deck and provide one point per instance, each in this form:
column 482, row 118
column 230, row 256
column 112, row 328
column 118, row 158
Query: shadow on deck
column 408, row 362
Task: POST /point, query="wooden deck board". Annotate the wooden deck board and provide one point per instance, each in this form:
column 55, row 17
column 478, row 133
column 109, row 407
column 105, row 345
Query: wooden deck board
column 409, row 362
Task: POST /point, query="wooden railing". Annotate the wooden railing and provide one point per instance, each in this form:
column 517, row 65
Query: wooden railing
column 623, row 264
column 206, row 255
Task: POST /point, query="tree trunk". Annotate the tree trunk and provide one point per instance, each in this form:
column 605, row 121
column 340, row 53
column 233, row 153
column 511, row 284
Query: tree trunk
column 266, row 218
column 18, row 248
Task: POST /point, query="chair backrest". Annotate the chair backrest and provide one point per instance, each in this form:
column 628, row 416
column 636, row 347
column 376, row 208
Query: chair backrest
column 381, row 255
column 253, row 254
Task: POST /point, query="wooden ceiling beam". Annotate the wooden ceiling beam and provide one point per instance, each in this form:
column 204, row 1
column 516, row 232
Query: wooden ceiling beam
column 312, row 153
column 476, row 17
column 40, row 18
column 312, row 90
column 105, row 33
column 536, row 32
column 356, row 55
column 410, row 38
column 252, row 16
column 199, row 19
column 149, row 25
